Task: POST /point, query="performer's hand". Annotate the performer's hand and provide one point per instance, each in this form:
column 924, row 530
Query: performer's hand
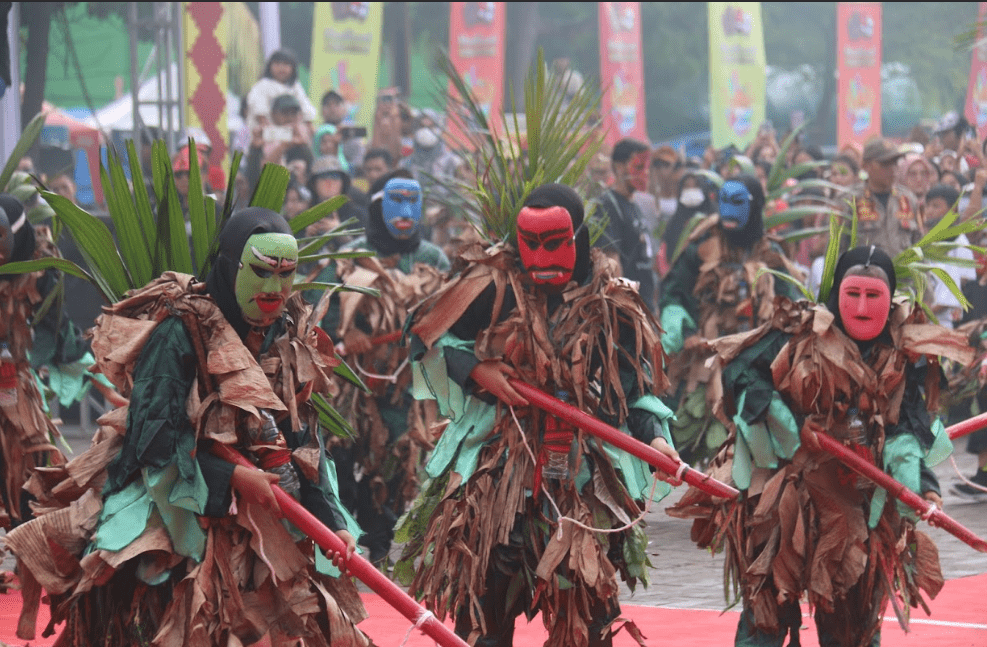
column 933, row 498
column 356, row 342
column 662, row 446
column 254, row 486
column 491, row 375
column 808, row 435
column 339, row 560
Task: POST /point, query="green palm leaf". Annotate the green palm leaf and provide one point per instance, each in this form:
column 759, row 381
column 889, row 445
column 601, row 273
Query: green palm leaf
column 28, row 137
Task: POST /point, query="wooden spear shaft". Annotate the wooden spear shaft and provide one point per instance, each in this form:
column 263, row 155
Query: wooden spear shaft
column 619, row 439
column 925, row 508
column 358, row 566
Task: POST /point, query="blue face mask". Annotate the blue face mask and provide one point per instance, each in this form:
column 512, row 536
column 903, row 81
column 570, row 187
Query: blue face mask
column 735, row 203
column 402, row 207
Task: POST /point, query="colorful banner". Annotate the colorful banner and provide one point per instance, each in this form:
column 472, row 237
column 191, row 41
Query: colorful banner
column 346, row 39
column 858, row 64
column 622, row 71
column 976, row 94
column 737, row 72
column 476, row 49
column 204, row 34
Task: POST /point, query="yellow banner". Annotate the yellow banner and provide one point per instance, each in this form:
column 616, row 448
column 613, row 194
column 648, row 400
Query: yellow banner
column 737, row 74
column 204, row 34
column 346, row 40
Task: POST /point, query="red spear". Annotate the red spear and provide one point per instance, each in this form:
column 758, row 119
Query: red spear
column 967, row 426
column 617, row 438
column 924, row 508
column 358, row 566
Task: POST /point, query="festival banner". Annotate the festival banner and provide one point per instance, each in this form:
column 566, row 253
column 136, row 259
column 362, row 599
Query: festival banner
column 976, row 94
column 346, row 39
column 737, row 72
column 858, row 64
column 204, row 27
column 622, row 71
column 476, row 50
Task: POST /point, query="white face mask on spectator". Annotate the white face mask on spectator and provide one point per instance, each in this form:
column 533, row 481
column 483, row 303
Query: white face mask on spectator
column 426, row 138
column 691, row 197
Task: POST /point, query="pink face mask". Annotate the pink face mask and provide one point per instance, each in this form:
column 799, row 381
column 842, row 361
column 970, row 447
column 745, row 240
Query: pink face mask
column 865, row 302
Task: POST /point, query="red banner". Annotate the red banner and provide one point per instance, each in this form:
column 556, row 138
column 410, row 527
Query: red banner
column 858, row 60
column 622, row 71
column 976, row 94
column 476, row 49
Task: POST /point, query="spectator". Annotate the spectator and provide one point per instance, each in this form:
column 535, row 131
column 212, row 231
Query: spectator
column 270, row 144
column 844, row 171
column 377, row 163
column 917, row 173
column 213, row 176
column 298, row 160
column 697, row 197
column 333, row 108
column 854, row 151
column 280, row 78
column 329, row 180
column 666, row 169
column 950, row 130
column 181, row 165
column 327, row 142
column 953, row 179
column 808, row 155
column 431, row 163
column 63, row 184
column 296, row 200
column 939, row 201
column 887, row 212
column 624, row 238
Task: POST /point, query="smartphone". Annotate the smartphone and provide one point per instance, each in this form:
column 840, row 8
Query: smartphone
column 351, row 132
column 278, row 133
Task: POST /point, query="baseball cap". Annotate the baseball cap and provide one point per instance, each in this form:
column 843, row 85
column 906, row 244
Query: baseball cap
column 882, row 150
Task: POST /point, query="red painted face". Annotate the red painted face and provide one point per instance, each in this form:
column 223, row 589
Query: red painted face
column 637, row 171
column 547, row 244
column 865, row 302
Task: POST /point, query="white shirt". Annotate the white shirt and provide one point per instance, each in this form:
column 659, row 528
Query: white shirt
column 266, row 90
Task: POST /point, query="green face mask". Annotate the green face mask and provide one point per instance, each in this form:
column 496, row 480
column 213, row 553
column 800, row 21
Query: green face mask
column 265, row 277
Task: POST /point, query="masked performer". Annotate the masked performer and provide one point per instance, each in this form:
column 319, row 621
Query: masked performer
column 557, row 316
column 183, row 548
column 378, row 471
column 865, row 371
column 713, row 289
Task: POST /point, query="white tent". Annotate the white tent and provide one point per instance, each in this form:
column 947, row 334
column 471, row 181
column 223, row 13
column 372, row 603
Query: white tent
column 119, row 114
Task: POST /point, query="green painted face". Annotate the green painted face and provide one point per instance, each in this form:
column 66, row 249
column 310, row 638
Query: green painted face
column 265, row 277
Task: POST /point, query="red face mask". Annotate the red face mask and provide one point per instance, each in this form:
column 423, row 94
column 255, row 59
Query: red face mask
column 546, row 241
column 865, row 302
column 637, row 171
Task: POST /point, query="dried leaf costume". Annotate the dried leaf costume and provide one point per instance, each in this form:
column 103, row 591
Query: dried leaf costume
column 713, row 289
column 36, row 333
column 806, row 525
column 163, row 557
column 379, row 468
column 488, row 538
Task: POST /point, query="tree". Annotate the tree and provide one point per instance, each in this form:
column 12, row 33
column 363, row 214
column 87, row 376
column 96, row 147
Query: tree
column 36, row 17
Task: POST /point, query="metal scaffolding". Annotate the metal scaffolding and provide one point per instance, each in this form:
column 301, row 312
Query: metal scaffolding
column 165, row 63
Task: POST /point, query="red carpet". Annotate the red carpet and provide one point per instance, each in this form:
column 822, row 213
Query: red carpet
column 959, row 619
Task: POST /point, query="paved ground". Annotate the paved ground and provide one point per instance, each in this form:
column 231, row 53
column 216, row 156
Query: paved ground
column 688, row 578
